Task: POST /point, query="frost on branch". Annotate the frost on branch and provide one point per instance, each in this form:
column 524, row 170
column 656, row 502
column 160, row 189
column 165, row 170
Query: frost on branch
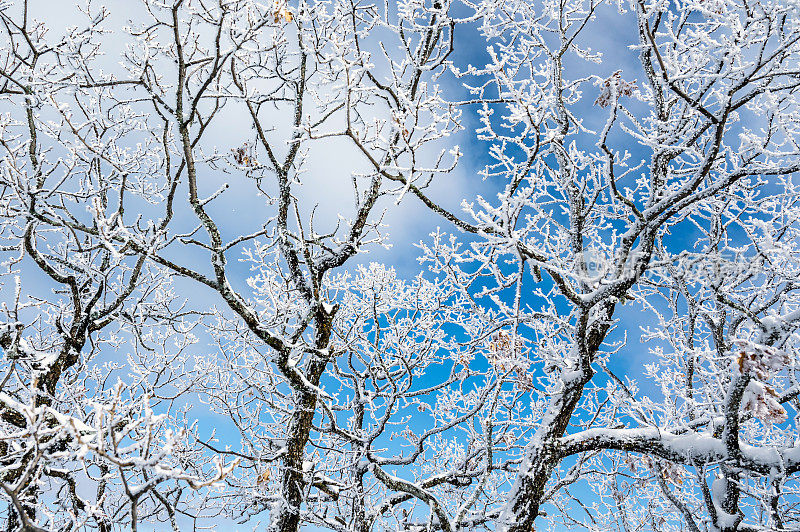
column 499, row 389
column 762, row 401
column 613, row 88
column 507, row 355
column 281, row 12
column 761, row 362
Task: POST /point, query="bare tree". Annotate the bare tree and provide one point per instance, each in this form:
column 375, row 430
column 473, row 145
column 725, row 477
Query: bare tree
column 185, row 223
column 77, row 159
column 589, row 213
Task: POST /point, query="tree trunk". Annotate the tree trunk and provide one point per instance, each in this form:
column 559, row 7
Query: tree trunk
column 293, row 483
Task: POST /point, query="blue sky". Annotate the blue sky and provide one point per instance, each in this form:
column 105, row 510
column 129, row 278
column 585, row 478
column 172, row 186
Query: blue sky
column 409, row 222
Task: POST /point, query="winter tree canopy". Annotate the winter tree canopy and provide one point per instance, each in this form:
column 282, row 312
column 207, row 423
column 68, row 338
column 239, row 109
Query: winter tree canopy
column 363, row 265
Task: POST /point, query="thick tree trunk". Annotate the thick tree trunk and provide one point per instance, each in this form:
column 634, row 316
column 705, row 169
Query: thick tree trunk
column 542, row 454
column 541, row 458
column 293, row 483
